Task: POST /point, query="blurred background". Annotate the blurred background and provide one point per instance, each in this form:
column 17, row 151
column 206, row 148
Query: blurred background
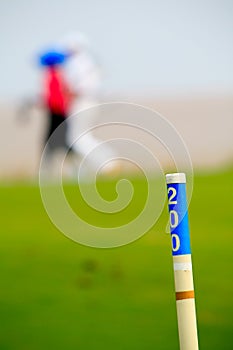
column 174, row 57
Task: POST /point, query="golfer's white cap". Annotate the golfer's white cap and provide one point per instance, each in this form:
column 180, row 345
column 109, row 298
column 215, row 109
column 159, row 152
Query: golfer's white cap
column 75, row 41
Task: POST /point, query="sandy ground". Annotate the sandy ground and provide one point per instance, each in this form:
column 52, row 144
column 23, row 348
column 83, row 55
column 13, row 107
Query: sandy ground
column 205, row 124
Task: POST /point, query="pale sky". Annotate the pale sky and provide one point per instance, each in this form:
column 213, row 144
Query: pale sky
column 146, row 46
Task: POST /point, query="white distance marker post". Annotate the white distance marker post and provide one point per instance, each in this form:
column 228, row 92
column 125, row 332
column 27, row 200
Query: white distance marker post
column 181, row 251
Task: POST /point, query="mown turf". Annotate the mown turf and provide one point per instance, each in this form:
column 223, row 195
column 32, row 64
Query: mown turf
column 56, row 294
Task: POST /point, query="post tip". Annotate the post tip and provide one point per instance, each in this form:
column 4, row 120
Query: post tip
column 176, row 178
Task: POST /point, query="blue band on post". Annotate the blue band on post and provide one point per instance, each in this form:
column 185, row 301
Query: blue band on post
column 179, row 225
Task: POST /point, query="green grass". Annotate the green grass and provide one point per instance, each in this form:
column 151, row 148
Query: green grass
column 56, row 294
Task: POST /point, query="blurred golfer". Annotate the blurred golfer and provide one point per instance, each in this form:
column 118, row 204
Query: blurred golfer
column 84, row 79
column 56, row 98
